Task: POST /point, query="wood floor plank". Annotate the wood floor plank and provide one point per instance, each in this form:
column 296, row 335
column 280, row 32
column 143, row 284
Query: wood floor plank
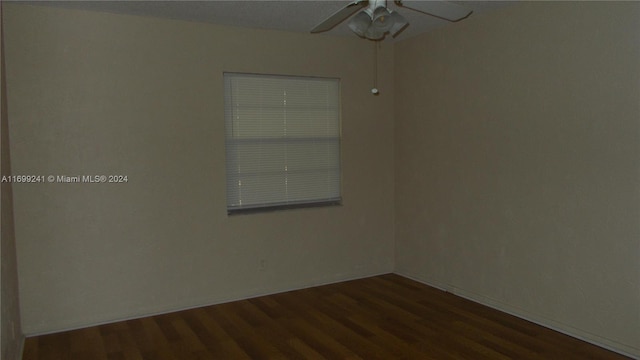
column 220, row 344
column 257, row 347
column 87, row 344
column 382, row 317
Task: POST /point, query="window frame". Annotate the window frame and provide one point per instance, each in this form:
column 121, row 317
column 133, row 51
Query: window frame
column 283, row 204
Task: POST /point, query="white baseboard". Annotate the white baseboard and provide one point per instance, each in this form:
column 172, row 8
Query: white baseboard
column 208, row 302
column 594, row 339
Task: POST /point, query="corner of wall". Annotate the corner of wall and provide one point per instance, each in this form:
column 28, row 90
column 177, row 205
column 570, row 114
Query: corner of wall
column 12, row 339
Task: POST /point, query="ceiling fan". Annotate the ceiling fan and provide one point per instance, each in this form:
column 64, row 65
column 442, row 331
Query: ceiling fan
column 377, row 20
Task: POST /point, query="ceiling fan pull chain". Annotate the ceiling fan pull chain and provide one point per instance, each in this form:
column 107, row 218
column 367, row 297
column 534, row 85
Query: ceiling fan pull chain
column 374, row 90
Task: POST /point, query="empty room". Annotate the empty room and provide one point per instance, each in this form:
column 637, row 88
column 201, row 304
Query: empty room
column 320, row 180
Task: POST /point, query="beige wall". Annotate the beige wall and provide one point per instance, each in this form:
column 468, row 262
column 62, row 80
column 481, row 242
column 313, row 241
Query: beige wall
column 10, row 328
column 517, row 151
column 96, row 93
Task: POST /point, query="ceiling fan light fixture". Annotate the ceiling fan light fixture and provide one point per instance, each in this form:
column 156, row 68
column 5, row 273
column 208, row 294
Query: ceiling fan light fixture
column 374, row 34
column 398, row 22
column 360, row 23
column 381, row 19
column 374, row 24
column 376, row 21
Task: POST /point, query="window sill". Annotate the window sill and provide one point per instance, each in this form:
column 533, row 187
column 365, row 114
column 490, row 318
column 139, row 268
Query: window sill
column 272, row 208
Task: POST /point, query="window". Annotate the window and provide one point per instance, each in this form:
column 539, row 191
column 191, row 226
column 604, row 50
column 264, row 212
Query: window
column 282, row 141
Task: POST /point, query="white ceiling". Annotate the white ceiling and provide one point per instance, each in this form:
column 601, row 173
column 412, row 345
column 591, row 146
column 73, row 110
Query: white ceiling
column 292, row 15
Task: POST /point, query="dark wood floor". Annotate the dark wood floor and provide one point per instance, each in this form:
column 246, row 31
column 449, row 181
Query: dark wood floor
column 383, row 317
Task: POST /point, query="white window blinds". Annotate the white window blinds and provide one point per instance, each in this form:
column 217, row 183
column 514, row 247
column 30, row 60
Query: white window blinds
column 282, row 141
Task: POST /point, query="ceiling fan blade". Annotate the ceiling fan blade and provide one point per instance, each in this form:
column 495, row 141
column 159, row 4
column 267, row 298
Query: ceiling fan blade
column 442, row 9
column 340, row 16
